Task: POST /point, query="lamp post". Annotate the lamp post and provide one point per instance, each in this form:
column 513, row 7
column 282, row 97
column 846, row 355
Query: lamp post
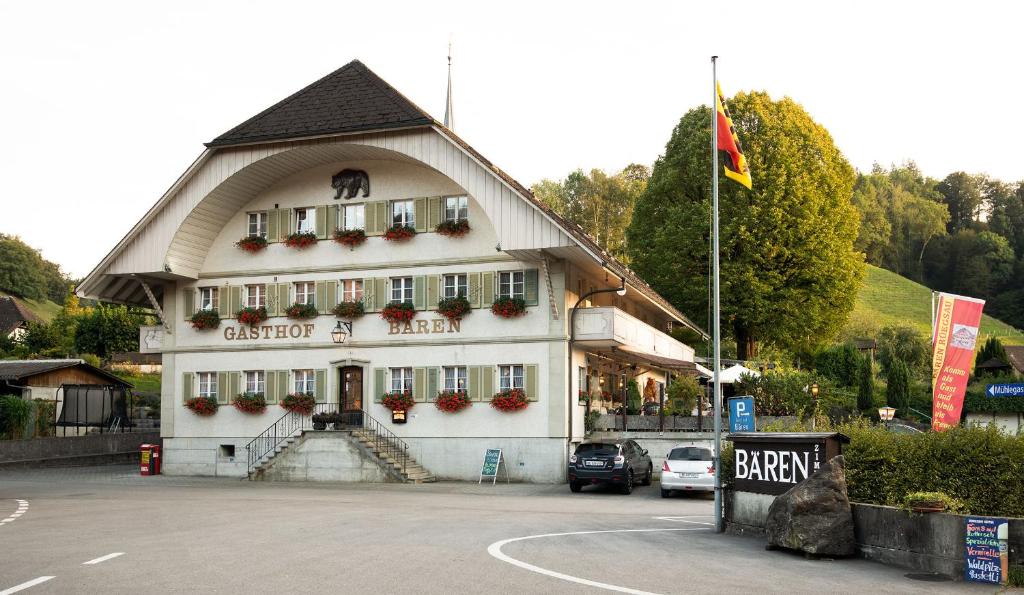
column 814, row 411
column 886, row 414
column 341, row 332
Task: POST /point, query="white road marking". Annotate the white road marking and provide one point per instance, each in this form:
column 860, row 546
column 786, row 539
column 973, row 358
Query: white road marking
column 22, row 509
column 683, row 519
column 24, row 586
column 495, row 550
column 103, row 558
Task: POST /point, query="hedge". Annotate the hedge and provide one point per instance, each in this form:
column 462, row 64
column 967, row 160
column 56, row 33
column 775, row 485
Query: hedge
column 976, row 401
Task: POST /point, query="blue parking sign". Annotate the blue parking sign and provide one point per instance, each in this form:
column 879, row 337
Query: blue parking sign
column 741, row 414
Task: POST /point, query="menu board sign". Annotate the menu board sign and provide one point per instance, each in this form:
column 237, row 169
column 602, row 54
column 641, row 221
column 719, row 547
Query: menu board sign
column 985, row 553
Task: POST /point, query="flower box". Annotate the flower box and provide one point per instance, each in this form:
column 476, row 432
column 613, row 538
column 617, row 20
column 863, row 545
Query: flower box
column 205, row 319
column 453, row 229
column 301, row 311
column 350, row 237
column 250, row 403
column 452, row 401
column 301, row 403
column 399, row 233
column 320, row 420
column 508, row 307
column 349, row 309
column 398, row 400
column 202, row 406
column 398, row 312
column 251, row 316
column 301, row 240
column 252, row 244
column 509, row 400
column 454, row 308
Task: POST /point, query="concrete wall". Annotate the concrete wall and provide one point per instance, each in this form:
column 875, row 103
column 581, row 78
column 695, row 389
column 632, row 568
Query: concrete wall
column 534, row 460
column 746, row 512
column 81, row 449
column 325, row 456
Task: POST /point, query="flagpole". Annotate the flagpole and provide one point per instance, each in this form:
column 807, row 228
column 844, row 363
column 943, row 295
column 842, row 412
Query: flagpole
column 717, row 405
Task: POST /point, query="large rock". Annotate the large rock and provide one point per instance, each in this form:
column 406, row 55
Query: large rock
column 814, row 516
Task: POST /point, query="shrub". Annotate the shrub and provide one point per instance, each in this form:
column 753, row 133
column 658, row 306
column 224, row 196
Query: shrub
column 14, row 415
column 301, row 240
column 301, row 311
column 454, row 308
column 633, row 398
column 398, row 400
column 508, row 307
column 906, row 344
column 203, row 406
column 787, row 393
column 90, row 358
column 454, row 229
column 865, row 383
column 897, row 389
column 350, row 237
column 509, row 400
column 452, row 401
column 250, row 403
column 299, row 403
column 349, row 309
column 399, row 233
column 205, row 319
column 992, row 349
column 251, row 316
column 45, row 411
column 398, row 312
column 252, row 244
column 840, row 363
column 683, row 394
column 933, row 500
column 590, row 420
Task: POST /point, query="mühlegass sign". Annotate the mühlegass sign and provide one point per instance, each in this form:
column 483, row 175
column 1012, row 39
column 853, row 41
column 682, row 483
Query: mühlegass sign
column 956, row 334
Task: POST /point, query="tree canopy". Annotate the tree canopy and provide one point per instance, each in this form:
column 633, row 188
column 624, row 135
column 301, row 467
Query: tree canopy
column 25, row 273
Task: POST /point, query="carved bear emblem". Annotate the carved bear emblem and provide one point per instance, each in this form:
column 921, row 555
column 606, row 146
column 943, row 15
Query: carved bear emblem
column 350, row 181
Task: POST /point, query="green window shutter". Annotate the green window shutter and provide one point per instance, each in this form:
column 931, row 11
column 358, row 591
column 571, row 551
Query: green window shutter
column 235, row 385
column 473, row 373
column 419, row 292
column 530, row 381
column 432, row 380
column 222, row 388
column 321, row 222
column 370, row 218
column 487, row 289
column 369, row 301
column 234, row 300
column 419, row 206
column 380, row 290
column 285, row 225
column 321, row 386
column 419, row 384
column 487, row 385
column 332, row 220
column 530, row 286
column 187, row 386
column 433, row 291
column 272, row 225
column 282, row 384
column 435, row 212
column 271, row 394
column 332, row 297
column 475, row 293
column 284, row 297
column 383, row 217
column 321, row 297
column 223, row 307
column 379, row 383
column 188, row 302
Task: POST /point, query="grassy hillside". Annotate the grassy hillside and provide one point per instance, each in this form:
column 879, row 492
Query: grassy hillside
column 887, row 298
column 43, row 309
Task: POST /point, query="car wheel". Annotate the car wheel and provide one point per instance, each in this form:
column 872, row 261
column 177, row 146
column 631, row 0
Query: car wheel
column 627, row 487
column 665, row 493
column 575, row 486
column 649, row 477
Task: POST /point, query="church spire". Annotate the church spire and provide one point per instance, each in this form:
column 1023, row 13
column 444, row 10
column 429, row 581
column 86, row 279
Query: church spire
column 449, row 114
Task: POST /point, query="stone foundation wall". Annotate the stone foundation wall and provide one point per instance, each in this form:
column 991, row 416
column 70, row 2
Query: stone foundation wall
column 92, row 449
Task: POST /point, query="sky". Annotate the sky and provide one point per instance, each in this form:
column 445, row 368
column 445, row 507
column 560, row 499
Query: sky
column 104, row 104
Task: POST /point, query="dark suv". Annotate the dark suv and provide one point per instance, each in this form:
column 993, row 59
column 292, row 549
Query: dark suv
column 622, row 464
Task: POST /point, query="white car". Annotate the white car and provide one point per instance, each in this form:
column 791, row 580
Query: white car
column 688, row 467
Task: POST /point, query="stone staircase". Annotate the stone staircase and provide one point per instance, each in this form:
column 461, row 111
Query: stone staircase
column 413, row 472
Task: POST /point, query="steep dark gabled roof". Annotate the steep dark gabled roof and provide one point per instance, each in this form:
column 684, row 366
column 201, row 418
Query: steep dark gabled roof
column 18, row 369
column 13, row 314
column 350, row 99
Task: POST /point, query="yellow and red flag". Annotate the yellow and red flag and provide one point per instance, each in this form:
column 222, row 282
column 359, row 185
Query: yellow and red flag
column 735, row 163
column 954, row 338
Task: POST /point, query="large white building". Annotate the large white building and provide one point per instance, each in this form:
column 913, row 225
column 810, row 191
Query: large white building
column 271, row 176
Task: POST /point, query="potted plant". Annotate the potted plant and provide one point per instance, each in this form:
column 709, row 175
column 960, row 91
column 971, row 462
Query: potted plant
column 320, row 420
column 398, row 312
column 350, row 237
column 299, row 403
column 509, row 400
column 202, row 406
column 399, row 233
column 300, row 240
column 925, row 502
column 252, row 244
column 508, row 307
column 398, row 400
column 454, row 308
column 452, row 401
column 349, row 309
column 205, row 319
column 301, row 311
column 453, row 229
column 251, row 316
column 250, row 403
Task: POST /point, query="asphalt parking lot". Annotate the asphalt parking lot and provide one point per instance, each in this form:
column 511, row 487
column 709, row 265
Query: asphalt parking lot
column 107, row 530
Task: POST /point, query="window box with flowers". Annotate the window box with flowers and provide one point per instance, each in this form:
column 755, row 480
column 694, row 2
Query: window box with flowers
column 202, row 406
column 509, row 400
column 302, row 404
column 301, row 240
column 349, row 309
column 398, row 312
column 350, row 237
column 252, row 244
column 452, row 401
column 454, row 308
column 453, row 228
column 509, row 307
column 301, row 311
column 205, row 319
column 398, row 400
column 251, row 316
column 250, row 403
column 399, row 233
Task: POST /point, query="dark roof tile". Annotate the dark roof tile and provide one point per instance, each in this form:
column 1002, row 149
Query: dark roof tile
column 13, row 314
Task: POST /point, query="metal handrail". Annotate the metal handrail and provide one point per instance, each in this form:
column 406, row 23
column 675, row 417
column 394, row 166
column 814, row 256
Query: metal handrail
column 386, row 441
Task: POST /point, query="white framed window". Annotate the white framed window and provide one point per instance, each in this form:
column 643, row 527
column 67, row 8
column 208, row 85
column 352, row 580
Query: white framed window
column 207, row 384
column 511, row 284
column 401, row 289
column 455, row 285
column 305, row 292
column 305, row 382
column 401, row 380
column 455, row 378
column 351, row 290
column 255, row 296
column 258, row 224
column 403, row 212
column 353, row 217
column 208, row 298
column 305, row 220
column 456, row 208
column 255, row 382
column 510, row 377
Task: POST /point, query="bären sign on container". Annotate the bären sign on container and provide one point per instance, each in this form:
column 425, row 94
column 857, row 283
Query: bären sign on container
column 774, row 462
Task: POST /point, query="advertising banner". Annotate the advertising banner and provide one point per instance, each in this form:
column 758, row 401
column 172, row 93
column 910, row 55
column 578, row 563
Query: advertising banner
column 957, row 319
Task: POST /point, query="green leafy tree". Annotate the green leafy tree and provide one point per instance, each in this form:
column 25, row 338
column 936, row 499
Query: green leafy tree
column 789, row 269
column 992, row 349
column 21, row 269
column 907, row 345
column 683, row 393
column 1006, row 212
column 963, row 194
column 840, row 363
column 106, row 329
column 979, row 264
column 897, row 389
column 865, row 383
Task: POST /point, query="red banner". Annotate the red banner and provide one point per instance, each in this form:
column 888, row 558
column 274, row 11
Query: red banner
column 957, row 319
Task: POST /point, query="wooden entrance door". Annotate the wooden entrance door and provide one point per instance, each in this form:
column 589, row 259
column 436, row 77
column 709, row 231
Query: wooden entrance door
column 351, row 398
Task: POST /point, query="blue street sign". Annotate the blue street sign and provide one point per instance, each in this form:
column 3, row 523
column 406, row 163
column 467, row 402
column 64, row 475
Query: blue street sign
column 741, row 414
column 1005, row 390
